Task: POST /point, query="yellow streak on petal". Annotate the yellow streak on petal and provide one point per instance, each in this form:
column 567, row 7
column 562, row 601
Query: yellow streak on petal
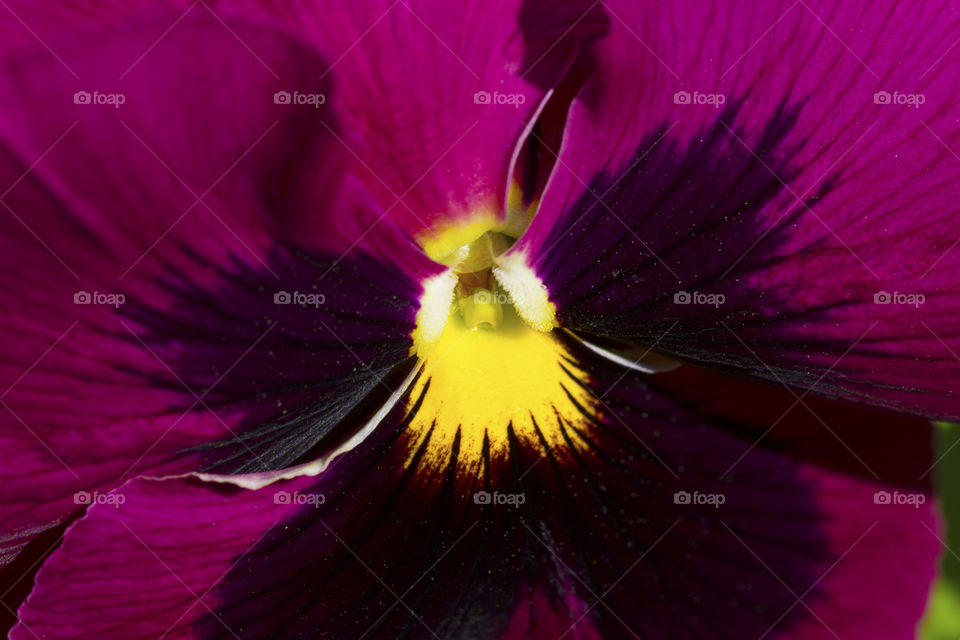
column 480, row 381
column 448, row 242
column 449, row 245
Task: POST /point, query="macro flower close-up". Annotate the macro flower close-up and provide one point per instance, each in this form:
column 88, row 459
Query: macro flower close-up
column 363, row 319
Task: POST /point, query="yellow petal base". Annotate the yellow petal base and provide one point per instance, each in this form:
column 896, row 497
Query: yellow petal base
column 476, row 383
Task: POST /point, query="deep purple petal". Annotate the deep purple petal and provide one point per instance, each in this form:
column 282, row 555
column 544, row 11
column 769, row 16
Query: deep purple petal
column 790, row 214
column 599, row 521
column 186, row 200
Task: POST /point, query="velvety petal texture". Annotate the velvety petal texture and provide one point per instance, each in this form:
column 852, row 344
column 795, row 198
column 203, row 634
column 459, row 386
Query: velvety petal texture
column 162, row 271
column 214, row 215
column 436, row 100
column 650, row 523
column 771, row 190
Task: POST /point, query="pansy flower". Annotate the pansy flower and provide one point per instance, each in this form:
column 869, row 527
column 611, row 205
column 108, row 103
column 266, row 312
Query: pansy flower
column 478, row 320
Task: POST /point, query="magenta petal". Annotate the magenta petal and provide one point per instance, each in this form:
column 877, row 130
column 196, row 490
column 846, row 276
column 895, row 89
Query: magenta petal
column 434, row 100
column 369, row 532
column 104, row 200
column 819, row 215
column 145, row 534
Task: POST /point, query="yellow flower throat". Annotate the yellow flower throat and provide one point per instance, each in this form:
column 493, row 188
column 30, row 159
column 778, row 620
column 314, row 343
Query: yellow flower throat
column 491, row 360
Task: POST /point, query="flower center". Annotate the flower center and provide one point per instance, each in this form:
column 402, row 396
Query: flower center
column 492, row 366
column 479, row 298
column 482, row 279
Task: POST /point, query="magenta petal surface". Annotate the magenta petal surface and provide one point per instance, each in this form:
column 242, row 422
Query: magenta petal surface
column 434, row 99
column 770, row 190
column 143, row 536
column 126, row 233
column 371, row 548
